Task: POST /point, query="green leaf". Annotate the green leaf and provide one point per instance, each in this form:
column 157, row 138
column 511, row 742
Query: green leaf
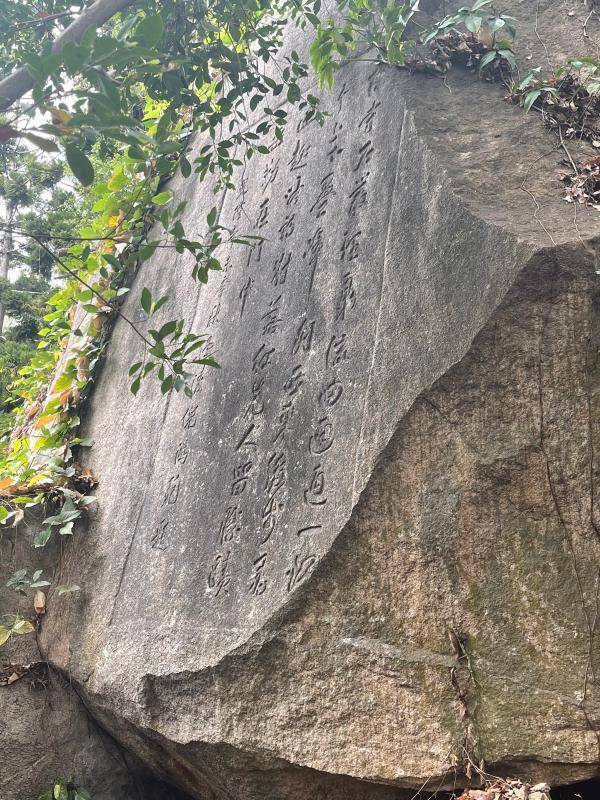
column 293, row 93
column 110, row 90
column 211, row 217
column 496, row 24
column 530, row 98
column 5, row 634
column 42, row 538
column 65, row 589
column 80, row 164
column 147, row 251
column 185, row 167
column 150, row 30
column 74, row 56
column 508, row 55
column 136, row 153
column 159, row 303
column 112, row 260
column 146, row 300
column 117, row 181
column 487, row 59
column 47, row 145
column 167, row 328
column 162, row 198
column 529, row 79
column 473, row 23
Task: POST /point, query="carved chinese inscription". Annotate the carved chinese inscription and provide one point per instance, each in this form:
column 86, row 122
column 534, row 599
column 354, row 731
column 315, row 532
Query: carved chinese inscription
column 258, row 583
column 299, row 157
column 296, row 298
column 280, row 268
column 327, row 190
column 158, row 540
column 220, row 574
column 314, row 495
column 299, row 569
column 312, row 254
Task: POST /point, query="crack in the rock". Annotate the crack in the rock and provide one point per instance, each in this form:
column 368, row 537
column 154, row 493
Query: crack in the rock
column 589, row 668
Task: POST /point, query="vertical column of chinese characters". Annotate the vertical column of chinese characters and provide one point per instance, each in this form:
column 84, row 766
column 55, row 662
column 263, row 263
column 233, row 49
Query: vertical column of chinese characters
column 331, row 390
column 232, row 518
column 173, row 486
column 337, row 353
column 276, row 478
column 305, row 558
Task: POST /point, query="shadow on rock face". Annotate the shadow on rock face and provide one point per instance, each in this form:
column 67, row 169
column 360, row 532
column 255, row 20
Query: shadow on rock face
column 586, row 790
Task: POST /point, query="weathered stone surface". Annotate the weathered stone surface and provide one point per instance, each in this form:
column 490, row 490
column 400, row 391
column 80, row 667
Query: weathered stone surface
column 367, row 547
column 45, row 732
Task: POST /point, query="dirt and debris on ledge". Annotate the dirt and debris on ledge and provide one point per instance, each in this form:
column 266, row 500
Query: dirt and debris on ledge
column 569, row 105
column 36, row 672
column 583, row 186
column 508, row 790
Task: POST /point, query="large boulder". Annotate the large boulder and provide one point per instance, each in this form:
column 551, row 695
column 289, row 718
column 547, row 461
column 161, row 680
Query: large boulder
column 364, row 556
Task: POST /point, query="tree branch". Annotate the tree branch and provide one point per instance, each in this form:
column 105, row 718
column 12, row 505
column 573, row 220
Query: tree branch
column 103, row 299
column 35, row 23
column 18, row 83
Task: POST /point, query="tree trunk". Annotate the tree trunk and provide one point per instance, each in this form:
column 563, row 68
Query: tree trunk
column 7, row 246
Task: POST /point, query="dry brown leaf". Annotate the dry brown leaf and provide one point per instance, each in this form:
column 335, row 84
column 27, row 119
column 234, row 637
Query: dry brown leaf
column 39, row 602
column 44, row 420
column 32, row 410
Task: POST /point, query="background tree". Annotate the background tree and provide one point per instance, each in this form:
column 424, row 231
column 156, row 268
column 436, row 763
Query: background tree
column 24, row 180
column 30, row 204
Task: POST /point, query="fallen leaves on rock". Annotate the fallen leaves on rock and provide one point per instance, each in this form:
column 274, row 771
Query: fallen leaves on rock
column 583, row 186
column 467, row 51
column 508, row 790
column 11, row 673
column 459, row 49
column 567, row 106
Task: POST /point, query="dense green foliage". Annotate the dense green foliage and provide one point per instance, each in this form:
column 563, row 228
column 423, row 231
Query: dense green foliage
column 30, row 201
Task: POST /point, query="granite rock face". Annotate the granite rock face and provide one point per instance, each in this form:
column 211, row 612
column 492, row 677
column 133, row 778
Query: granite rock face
column 366, row 552
column 46, row 734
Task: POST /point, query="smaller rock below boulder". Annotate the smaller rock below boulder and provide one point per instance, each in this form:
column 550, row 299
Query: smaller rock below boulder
column 46, row 734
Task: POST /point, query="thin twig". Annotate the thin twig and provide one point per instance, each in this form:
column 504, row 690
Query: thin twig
column 32, row 23
column 562, row 144
column 537, row 14
column 108, row 303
